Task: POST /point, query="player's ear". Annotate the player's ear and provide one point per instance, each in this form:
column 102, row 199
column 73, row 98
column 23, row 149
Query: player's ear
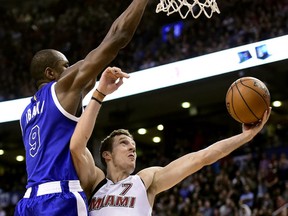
column 106, row 155
column 50, row 73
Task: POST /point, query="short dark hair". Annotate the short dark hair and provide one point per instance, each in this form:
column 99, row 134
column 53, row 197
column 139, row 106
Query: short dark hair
column 107, row 143
column 40, row 61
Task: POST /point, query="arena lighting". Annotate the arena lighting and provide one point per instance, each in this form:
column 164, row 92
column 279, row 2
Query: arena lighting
column 186, row 105
column 142, row 131
column 276, row 103
column 156, row 139
column 225, row 61
column 160, row 127
column 20, row 158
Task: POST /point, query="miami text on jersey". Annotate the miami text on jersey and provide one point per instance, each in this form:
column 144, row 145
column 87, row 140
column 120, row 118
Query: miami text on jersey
column 112, row 200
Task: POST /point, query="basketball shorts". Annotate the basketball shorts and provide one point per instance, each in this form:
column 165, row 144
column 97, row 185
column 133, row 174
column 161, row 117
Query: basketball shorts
column 53, row 199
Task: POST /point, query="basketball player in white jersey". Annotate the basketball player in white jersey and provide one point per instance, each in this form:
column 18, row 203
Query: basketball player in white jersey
column 118, row 192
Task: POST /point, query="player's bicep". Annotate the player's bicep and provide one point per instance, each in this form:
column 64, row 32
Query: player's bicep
column 67, row 79
column 94, row 63
column 85, row 168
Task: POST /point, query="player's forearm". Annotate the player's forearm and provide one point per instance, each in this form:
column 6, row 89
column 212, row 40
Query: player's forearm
column 188, row 164
column 125, row 25
column 119, row 35
column 123, row 28
column 224, row 147
column 85, row 126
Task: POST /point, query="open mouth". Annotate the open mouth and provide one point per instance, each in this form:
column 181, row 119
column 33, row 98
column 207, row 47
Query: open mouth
column 131, row 156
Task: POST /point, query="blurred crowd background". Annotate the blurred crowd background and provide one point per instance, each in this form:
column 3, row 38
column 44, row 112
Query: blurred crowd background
column 251, row 179
column 78, row 26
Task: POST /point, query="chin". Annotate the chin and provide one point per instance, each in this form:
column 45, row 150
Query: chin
column 132, row 169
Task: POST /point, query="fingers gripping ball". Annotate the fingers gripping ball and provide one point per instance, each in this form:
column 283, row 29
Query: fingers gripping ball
column 247, row 99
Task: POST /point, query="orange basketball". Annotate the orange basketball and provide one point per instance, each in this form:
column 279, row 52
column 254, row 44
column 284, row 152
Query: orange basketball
column 247, row 99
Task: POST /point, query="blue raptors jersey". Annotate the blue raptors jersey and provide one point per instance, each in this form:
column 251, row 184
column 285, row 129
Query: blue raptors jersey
column 47, row 129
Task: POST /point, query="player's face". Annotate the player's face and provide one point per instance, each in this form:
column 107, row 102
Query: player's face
column 60, row 65
column 124, row 153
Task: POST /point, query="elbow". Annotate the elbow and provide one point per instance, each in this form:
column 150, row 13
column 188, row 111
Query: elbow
column 76, row 146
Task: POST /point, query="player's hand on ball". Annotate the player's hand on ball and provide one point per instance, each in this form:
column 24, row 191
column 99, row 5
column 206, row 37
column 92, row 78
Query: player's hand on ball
column 256, row 127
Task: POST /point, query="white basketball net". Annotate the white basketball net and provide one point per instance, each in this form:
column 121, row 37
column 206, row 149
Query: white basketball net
column 208, row 7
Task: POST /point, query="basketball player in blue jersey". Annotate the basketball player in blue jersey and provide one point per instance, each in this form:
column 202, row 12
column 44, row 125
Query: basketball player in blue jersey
column 120, row 193
column 47, row 123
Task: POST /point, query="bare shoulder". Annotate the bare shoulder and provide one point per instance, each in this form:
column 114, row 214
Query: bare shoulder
column 68, row 75
column 147, row 175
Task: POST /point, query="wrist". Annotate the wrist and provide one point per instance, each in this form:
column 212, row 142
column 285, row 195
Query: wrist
column 247, row 136
column 98, row 96
column 100, row 92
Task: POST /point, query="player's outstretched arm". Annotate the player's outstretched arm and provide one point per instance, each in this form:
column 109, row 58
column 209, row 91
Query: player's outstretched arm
column 110, row 81
column 179, row 169
column 119, row 35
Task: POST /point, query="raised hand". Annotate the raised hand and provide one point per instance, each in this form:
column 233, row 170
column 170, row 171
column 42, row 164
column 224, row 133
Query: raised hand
column 111, row 80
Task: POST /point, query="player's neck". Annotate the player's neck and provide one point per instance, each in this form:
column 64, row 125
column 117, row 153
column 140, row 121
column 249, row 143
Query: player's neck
column 41, row 85
column 117, row 176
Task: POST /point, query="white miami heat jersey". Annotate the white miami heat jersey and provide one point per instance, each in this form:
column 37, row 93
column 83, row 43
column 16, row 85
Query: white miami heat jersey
column 127, row 197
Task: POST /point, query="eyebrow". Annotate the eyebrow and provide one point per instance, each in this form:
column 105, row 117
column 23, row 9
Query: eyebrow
column 127, row 138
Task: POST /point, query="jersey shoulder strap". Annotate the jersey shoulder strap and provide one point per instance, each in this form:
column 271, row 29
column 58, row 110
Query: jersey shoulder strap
column 103, row 182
